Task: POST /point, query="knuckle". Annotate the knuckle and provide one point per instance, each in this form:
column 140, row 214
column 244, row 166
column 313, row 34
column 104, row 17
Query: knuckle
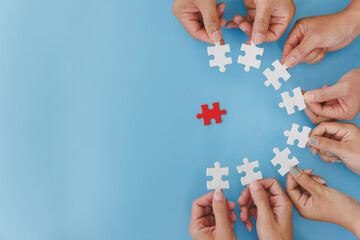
column 300, row 50
column 262, row 22
column 212, row 21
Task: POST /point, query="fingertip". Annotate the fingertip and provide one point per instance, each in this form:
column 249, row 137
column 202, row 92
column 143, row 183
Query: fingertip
column 291, row 61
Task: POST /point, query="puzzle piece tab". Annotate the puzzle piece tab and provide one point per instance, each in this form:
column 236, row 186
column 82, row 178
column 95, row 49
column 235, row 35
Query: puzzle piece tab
column 220, row 58
column 217, row 183
column 274, row 76
column 249, row 59
column 290, row 102
column 248, row 168
column 282, row 158
column 294, row 134
column 208, row 114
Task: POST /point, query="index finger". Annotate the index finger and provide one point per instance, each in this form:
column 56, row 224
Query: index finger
column 331, row 128
column 273, row 186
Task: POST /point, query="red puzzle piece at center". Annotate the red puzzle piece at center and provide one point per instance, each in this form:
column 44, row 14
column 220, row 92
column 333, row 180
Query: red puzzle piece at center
column 208, row 114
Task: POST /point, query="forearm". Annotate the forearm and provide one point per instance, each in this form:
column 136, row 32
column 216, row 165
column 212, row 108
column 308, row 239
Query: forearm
column 353, row 221
column 353, row 11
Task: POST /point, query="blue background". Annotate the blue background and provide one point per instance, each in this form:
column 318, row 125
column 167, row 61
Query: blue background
column 98, row 131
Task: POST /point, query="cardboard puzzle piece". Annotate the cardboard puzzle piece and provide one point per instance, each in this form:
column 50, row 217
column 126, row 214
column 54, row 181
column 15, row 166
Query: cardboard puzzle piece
column 220, row 58
column 294, row 134
column 290, row 102
column 217, row 183
column 248, row 168
column 249, row 59
column 274, row 76
column 282, row 158
column 208, row 114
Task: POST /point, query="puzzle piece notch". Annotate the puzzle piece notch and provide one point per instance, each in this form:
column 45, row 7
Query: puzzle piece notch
column 248, row 168
column 290, row 102
column 282, row 158
column 220, row 59
column 294, row 134
column 274, row 76
column 208, row 114
column 249, row 59
column 217, row 183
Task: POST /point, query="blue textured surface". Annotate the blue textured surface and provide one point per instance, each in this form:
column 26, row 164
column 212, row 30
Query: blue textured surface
column 98, row 131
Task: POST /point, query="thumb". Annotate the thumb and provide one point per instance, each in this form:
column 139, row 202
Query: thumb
column 324, row 94
column 211, row 19
column 305, row 181
column 261, row 200
column 327, row 144
column 220, row 209
column 261, row 21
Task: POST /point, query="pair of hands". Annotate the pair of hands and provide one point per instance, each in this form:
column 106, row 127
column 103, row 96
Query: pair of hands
column 213, row 217
column 265, row 21
column 265, row 200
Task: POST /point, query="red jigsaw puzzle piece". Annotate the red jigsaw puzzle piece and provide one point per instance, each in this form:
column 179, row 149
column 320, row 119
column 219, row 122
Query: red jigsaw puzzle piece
column 208, row 114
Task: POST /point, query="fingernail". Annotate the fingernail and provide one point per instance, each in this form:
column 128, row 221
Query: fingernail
column 233, row 215
column 294, row 170
column 218, row 196
column 332, row 154
column 337, row 161
column 247, row 225
column 216, row 36
column 237, row 22
column 309, row 170
column 314, row 141
column 241, row 213
column 255, row 185
column 312, row 151
column 322, row 181
column 309, row 96
column 291, row 60
column 258, row 38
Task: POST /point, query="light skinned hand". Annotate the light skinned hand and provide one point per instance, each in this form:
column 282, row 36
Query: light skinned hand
column 338, row 102
column 212, row 218
column 266, row 201
column 266, row 20
column 337, row 142
column 312, row 37
column 202, row 19
column 318, row 202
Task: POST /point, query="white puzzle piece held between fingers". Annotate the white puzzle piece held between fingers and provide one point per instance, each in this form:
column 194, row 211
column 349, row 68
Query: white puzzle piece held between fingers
column 282, row 158
column 217, row 183
column 249, row 59
column 248, row 168
column 294, row 134
column 274, row 76
column 220, row 58
column 290, row 102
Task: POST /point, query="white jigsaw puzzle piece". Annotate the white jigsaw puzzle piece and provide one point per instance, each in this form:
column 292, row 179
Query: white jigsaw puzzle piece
column 282, row 158
column 217, row 183
column 220, row 58
column 274, row 76
column 290, row 102
column 248, row 168
column 294, row 134
column 249, row 59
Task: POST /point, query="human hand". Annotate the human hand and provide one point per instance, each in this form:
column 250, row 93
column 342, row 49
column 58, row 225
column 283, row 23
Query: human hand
column 212, row 218
column 312, row 37
column 266, row 201
column 318, row 202
column 266, row 20
column 338, row 102
column 337, row 142
column 202, row 19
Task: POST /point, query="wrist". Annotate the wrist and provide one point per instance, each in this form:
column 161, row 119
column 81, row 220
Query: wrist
column 352, row 12
column 353, row 221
